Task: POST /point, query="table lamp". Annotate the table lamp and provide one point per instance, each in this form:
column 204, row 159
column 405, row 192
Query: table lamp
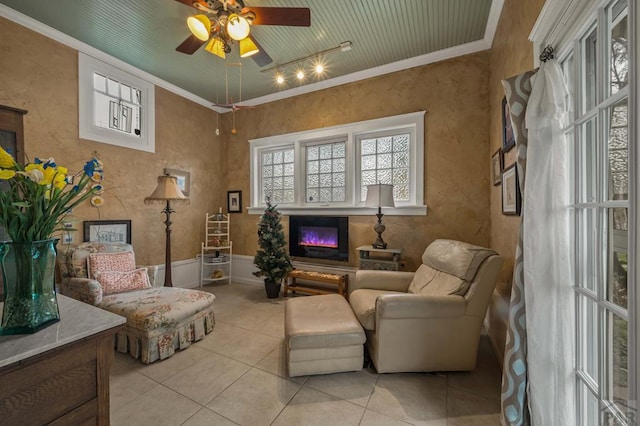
column 167, row 191
column 379, row 195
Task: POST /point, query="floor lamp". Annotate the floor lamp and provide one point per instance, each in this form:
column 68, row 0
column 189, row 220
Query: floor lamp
column 379, row 195
column 167, row 191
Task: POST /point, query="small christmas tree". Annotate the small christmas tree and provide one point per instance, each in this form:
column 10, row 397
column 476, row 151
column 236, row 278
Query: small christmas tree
column 272, row 258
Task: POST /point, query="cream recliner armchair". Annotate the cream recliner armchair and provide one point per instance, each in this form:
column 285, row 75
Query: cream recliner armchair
column 429, row 320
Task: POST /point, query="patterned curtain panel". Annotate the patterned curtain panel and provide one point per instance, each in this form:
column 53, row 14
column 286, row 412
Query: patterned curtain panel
column 514, row 377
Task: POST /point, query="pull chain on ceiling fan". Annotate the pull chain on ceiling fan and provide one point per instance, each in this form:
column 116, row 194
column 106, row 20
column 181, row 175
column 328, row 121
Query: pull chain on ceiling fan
column 222, row 22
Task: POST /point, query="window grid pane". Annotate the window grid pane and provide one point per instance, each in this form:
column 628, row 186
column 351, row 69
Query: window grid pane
column 385, row 160
column 618, row 152
column 115, row 107
column 326, row 180
column 618, row 48
column 278, row 176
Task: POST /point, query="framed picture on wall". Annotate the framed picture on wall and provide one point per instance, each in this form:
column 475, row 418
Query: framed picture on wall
column 497, row 164
column 107, row 231
column 183, row 178
column 508, row 138
column 511, row 197
column 234, row 201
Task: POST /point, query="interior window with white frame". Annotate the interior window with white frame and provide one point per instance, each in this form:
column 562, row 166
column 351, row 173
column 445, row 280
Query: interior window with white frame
column 328, row 170
column 115, row 107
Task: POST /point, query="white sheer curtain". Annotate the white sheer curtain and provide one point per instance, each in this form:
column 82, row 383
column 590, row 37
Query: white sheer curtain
column 547, row 261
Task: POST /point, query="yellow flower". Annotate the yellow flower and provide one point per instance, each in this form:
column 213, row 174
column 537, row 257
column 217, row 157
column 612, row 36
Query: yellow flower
column 49, row 173
column 7, row 174
column 96, row 176
column 6, row 160
column 59, row 181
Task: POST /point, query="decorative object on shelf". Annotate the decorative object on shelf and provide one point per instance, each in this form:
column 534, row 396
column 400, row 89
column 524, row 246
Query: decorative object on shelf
column 511, row 198
column 183, row 178
column 107, row 231
column 497, row 165
column 272, row 258
column 167, row 191
column 234, row 201
column 39, row 197
column 508, row 138
column 379, row 195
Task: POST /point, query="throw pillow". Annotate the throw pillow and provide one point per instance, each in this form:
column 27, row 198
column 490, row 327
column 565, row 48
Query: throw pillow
column 120, row 282
column 110, row 262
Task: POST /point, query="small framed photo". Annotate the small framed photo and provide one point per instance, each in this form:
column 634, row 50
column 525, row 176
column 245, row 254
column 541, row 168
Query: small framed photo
column 107, row 231
column 508, row 137
column 497, row 165
column 183, row 179
column 234, row 201
column 511, row 197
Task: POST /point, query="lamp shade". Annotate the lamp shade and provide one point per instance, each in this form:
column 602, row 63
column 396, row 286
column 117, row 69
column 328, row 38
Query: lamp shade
column 247, row 47
column 216, row 46
column 380, row 195
column 200, row 26
column 166, row 190
column 237, row 27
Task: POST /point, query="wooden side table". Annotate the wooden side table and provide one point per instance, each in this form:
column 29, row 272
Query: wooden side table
column 341, row 283
column 380, row 259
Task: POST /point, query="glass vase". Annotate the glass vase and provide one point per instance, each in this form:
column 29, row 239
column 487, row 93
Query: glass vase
column 28, row 272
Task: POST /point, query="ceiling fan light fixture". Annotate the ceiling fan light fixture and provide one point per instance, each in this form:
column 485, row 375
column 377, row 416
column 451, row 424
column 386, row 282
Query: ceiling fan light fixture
column 217, row 47
column 247, row 48
column 200, row 26
column 238, row 27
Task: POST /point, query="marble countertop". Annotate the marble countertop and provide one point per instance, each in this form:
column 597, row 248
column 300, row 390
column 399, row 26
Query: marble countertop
column 77, row 320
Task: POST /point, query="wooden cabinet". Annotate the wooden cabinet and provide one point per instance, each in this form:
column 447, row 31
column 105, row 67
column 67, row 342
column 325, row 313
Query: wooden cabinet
column 68, row 381
column 216, row 251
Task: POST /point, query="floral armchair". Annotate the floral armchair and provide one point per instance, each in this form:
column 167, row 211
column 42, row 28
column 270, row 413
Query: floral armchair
column 159, row 319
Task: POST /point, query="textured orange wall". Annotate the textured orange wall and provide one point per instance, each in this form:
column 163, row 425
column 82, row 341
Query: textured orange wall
column 511, row 54
column 454, row 94
column 40, row 75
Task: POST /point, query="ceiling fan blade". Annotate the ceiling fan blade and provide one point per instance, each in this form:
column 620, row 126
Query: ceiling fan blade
column 190, row 45
column 191, row 3
column 289, row 16
column 261, row 58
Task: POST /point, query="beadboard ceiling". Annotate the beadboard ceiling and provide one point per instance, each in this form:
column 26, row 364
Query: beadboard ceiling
column 385, row 35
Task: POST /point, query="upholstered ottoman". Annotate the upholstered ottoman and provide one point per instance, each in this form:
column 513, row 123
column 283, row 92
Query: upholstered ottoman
column 322, row 335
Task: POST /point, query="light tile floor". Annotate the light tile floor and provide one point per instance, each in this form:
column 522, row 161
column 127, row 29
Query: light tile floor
column 237, row 375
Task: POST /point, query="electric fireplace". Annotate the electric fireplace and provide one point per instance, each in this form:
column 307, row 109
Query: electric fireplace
column 319, row 237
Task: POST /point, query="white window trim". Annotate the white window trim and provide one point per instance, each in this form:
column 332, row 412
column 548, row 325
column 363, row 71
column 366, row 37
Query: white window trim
column 87, row 66
column 414, row 122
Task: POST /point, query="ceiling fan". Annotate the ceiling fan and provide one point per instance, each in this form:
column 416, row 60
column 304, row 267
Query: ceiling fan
column 223, row 21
